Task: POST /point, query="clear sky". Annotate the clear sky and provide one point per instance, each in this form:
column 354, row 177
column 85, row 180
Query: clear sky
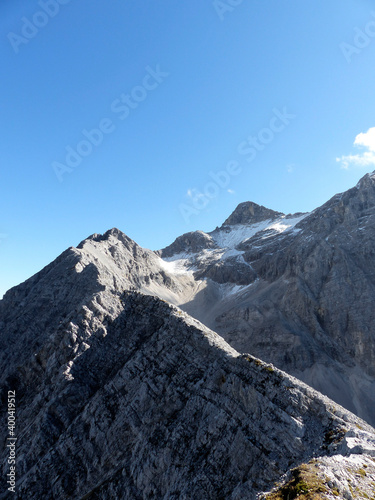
column 123, row 114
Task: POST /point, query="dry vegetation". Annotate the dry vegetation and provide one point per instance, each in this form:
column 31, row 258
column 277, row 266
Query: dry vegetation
column 305, row 485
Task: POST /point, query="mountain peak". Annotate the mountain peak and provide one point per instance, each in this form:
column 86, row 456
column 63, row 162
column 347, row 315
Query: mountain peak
column 367, row 180
column 110, row 235
column 250, row 213
column 192, row 242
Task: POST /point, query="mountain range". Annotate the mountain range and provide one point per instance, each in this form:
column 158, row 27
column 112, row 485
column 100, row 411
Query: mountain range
column 214, row 368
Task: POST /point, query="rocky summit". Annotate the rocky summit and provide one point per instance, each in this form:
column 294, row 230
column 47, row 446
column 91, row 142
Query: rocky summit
column 296, row 291
column 250, row 213
column 181, row 374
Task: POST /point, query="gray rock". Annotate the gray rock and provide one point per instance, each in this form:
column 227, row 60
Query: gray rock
column 192, row 242
column 308, row 304
column 146, row 402
column 250, row 213
column 122, row 395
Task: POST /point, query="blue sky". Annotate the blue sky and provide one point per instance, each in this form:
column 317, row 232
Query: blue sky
column 178, row 91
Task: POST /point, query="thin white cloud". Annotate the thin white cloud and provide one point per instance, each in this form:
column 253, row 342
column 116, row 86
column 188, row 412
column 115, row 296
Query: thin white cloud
column 230, row 191
column 363, row 160
column 194, row 194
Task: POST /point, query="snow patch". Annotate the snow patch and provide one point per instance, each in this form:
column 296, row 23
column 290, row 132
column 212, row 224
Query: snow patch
column 178, row 264
column 230, row 238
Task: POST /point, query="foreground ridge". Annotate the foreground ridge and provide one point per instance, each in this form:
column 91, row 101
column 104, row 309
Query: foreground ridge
column 159, row 406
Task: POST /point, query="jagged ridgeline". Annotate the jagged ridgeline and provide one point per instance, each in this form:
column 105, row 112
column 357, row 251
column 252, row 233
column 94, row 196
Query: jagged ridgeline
column 295, row 290
column 122, row 393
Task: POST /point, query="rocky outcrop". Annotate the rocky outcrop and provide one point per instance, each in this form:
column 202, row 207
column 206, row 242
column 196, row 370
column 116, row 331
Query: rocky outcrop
column 145, row 402
column 192, row 243
column 230, row 271
column 250, row 213
column 328, row 478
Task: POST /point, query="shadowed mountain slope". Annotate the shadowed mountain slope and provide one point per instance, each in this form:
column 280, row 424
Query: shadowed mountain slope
column 134, row 399
column 297, row 291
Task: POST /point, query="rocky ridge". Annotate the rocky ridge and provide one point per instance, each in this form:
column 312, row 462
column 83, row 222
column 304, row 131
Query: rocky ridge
column 134, row 399
column 121, row 394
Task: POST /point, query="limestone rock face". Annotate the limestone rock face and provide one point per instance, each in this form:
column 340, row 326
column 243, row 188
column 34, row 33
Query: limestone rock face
column 132, row 398
column 250, row 213
column 297, row 291
column 192, row 242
